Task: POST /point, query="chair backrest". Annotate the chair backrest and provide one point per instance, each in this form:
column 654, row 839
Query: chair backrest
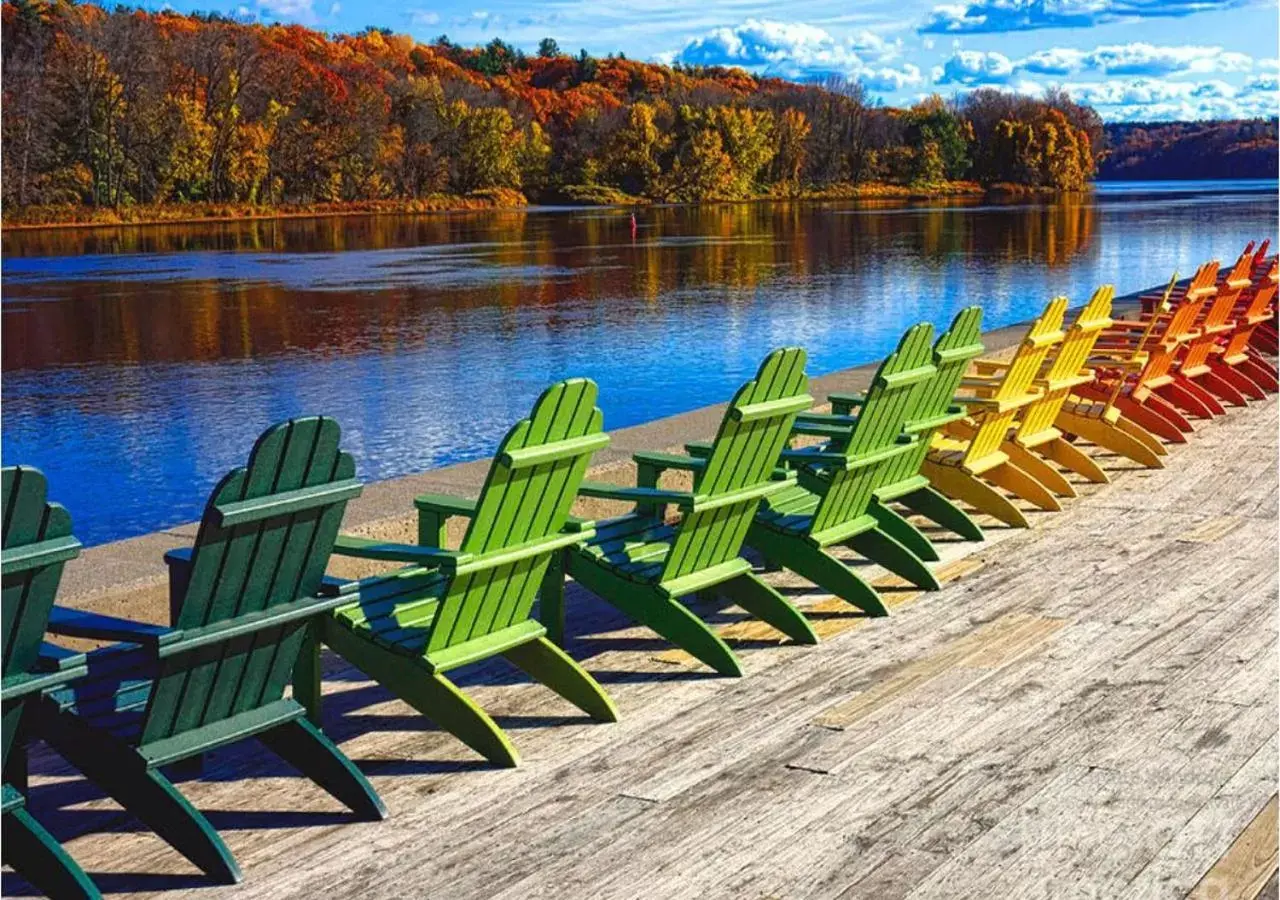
column 755, row 427
column 36, row 543
column 1178, row 328
column 935, row 397
column 848, row 492
column 1260, row 255
column 1254, row 314
column 525, row 501
column 1069, row 363
column 264, row 541
column 1014, row 389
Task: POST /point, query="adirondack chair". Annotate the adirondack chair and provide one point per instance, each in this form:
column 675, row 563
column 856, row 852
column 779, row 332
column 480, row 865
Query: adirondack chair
column 1037, row 439
column 643, row 565
column 1193, row 372
column 246, row 594
column 449, row 608
column 1132, row 362
column 37, row 542
column 1231, row 359
column 966, row 462
column 834, row 500
column 930, row 407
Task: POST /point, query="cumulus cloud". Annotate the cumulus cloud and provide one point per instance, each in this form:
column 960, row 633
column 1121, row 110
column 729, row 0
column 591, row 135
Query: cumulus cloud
column 985, row 16
column 292, row 10
column 1155, row 100
column 970, row 67
column 801, row 52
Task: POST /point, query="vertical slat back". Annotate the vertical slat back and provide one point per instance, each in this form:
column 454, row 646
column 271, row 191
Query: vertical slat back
column 952, row 353
column 848, row 492
column 521, row 503
column 743, row 456
column 1254, row 314
column 28, row 592
column 1094, row 317
column 1044, row 334
column 248, row 567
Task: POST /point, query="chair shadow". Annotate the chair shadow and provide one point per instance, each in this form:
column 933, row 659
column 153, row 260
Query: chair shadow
column 12, row 885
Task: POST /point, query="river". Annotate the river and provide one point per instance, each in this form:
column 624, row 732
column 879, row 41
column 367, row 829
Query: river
column 139, row 363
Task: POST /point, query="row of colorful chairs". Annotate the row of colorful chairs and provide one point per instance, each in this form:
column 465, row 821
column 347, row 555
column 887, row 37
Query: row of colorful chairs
column 251, row 604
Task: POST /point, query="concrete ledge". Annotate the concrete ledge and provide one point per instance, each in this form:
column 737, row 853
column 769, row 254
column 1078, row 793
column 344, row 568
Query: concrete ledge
column 129, row 578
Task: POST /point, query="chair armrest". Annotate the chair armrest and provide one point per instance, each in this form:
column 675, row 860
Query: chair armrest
column 811, row 457
column 955, row 412
column 578, row 525
column 661, row 461
column 430, row 557
column 823, row 429
column 604, row 491
column 827, row 419
column 434, row 512
column 192, row 639
column 842, row 403
column 989, row 366
column 79, row 623
column 700, row 449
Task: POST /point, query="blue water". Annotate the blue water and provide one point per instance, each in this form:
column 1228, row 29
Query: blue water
column 141, row 363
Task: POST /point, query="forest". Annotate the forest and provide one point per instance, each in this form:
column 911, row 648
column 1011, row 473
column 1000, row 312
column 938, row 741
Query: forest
column 1172, row 150
column 123, row 109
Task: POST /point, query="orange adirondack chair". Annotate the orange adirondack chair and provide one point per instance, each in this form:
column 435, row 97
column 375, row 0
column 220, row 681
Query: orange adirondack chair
column 1193, row 376
column 966, row 462
column 1232, row 360
column 1133, row 362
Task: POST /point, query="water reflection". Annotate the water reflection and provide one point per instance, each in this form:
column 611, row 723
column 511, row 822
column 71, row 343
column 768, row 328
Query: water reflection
column 140, row 363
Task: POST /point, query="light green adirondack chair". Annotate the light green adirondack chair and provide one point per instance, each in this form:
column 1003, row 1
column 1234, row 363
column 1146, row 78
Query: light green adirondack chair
column 643, row 565
column 930, row 407
column 833, row 501
column 244, row 596
column 37, row 542
column 454, row 607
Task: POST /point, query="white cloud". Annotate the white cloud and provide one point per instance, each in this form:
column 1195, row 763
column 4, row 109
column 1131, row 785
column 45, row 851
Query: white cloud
column 1156, row 100
column 972, row 67
column 423, row 18
column 295, row 10
column 1137, row 59
column 987, row 16
column 801, row 52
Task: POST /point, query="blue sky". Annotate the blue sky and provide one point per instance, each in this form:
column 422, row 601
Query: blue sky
column 1131, row 59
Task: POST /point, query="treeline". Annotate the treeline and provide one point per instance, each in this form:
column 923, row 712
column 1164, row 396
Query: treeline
column 1238, row 149
column 128, row 108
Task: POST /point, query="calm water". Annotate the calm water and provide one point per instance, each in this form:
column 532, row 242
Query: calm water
column 140, row 363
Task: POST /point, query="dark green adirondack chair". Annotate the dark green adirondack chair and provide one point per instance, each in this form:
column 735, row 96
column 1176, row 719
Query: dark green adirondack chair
column 246, row 594
column 454, row 607
column 929, row 408
column 833, row 500
column 643, row 565
column 37, row 542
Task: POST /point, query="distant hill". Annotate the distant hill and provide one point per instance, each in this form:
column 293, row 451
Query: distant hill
column 1170, row 150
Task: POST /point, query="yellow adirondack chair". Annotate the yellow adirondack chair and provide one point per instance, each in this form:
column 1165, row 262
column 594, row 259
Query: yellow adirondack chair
column 1099, row 419
column 1037, row 440
column 965, row 462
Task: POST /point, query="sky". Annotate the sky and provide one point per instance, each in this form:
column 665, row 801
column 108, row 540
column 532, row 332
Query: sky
column 1147, row 60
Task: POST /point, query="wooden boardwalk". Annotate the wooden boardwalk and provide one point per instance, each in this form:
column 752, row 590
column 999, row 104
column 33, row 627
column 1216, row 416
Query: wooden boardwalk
column 1087, row 709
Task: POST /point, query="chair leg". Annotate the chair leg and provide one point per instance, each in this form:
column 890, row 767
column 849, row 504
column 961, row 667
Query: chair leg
column 430, row 693
column 1238, row 378
column 543, row 661
column 1038, row 469
column 1104, row 434
column 902, row 531
column 665, row 615
column 304, row 747
column 38, row 857
column 1260, row 374
column 769, row 606
column 551, row 599
column 1221, row 387
column 146, row 793
column 822, row 569
column 937, row 508
column 306, row 675
column 1159, row 418
column 1075, row 460
column 880, row 548
column 1183, row 393
column 1137, row 432
column 982, row 497
column 1022, row 484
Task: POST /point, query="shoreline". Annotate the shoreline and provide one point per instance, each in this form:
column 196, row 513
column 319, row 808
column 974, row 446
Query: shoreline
column 501, row 200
